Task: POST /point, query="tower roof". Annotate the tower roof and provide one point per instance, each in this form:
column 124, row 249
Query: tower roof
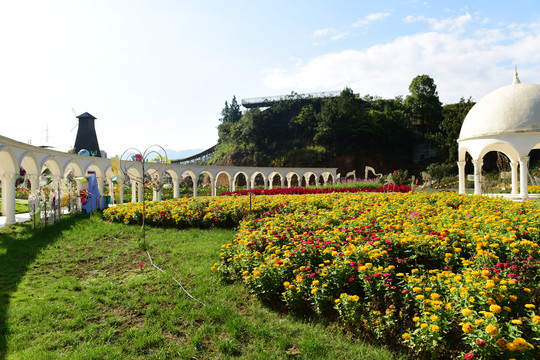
column 86, row 115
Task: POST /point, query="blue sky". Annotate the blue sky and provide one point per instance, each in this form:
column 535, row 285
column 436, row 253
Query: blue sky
column 160, row 71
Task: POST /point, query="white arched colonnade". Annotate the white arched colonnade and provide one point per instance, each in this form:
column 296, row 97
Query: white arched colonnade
column 15, row 155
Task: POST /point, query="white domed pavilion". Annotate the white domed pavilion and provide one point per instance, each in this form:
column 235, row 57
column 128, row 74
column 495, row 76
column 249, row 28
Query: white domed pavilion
column 506, row 120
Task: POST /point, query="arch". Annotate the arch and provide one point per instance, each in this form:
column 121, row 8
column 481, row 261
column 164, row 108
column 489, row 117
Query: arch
column 272, row 179
column 52, row 163
column 307, row 178
column 255, row 176
column 75, row 167
column 223, row 182
column 29, row 161
column 236, row 179
column 293, row 178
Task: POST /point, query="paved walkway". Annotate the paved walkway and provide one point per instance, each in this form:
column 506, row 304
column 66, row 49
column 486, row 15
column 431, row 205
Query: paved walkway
column 18, row 217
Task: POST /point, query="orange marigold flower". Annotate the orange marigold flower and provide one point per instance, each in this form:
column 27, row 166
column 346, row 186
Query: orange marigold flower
column 467, row 328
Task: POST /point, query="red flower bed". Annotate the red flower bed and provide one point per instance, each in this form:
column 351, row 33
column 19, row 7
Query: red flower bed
column 303, row 190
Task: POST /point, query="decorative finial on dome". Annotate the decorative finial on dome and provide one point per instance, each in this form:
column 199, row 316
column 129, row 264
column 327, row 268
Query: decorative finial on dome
column 516, row 78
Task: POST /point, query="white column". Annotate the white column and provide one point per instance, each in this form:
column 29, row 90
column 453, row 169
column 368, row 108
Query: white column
column 523, row 177
column 282, row 179
column 140, row 190
column 477, row 176
column 213, row 186
column 265, row 180
column 461, row 176
column 195, row 189
column 8, row 197
column 176, row 188
column 34, row 184
column 514, row 166
column 133, row 191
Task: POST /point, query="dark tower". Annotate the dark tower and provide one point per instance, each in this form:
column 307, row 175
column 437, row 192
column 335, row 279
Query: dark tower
column 86, row 135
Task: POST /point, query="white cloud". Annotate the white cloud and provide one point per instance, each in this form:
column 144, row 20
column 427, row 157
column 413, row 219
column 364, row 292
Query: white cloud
column 462, row 64
column 323, row 32
column 371, row 18
column 445, row 24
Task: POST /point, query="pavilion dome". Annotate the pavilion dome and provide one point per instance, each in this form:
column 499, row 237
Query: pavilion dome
column 509, row 110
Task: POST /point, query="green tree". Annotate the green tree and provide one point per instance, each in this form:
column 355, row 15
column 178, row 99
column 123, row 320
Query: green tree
column 450, row 127
column 229, row 115
column 424, row 105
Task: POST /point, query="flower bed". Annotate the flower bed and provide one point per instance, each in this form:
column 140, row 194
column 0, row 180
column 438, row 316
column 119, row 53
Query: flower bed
column 320, row 190
column 447, row 275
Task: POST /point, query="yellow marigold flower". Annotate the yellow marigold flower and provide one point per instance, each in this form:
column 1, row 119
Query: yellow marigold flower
column 448, row 306
column 492, row 330
column 435, row 296
column 314, row 290
column 434, row 328
column 513, row 297
column 417, row 319
column 414, row 271
column 517, row 322
column 315, row 283
column 256, row 273
column 520, row 344
column 467, row 328
column 527, row 290
column 495, row 308
column 536, row 319
column 434, row 318
column 428, row 289
column 286, row 283
column 417, row 289
column 292, row 287
column 406, row 336
column 529, row 306
column 471, row 299
column 502, row 344
column 423, row 325
column 479, row 321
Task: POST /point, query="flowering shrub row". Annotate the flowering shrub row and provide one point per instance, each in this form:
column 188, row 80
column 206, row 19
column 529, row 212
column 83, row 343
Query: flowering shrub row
column 320, row 190
column 450, row 276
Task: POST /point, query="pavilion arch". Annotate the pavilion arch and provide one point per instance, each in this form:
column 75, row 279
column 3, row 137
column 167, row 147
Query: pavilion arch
column 506, row 120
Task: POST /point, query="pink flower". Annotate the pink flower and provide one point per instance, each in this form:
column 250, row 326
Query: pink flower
column 468, row 356
column 351, row 279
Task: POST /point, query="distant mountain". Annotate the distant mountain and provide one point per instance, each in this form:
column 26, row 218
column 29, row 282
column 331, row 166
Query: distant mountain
column 180, row 154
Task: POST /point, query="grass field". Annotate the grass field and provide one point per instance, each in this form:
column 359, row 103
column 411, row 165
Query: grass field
column 21, row 206
column 85, row 289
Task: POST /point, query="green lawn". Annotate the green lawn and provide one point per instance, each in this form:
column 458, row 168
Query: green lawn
column 85, row 289
column 21, row 206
